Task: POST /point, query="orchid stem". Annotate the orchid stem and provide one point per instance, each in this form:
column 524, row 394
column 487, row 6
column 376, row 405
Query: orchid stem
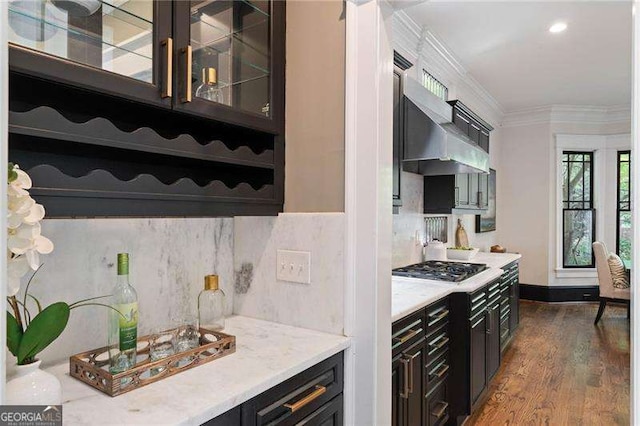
column 16, row 311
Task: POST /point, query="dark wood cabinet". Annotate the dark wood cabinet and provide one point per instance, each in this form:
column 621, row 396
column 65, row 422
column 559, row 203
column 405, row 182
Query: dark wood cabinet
column 478, row 356
column 471, row 124
column 493, row 331
column 313, row 397
column 461, row 193
column 421, row 366
column 400, row 65
column 108, row 119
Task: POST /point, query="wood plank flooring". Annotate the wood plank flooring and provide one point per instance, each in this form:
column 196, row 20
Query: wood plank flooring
column 562, row 370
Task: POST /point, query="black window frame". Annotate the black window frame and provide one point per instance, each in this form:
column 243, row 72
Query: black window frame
column 584, row 202
column 619, row 208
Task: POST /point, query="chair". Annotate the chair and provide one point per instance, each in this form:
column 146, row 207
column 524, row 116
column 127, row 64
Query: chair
column 608, row 293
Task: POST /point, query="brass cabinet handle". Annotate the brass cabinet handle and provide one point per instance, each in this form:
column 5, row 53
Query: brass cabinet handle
column 167, row 90
column 436, row 318
column 188, row 53
column 410, row 334
column 440, row 412
column 405, row 373
column 307, row 399
column 439, row 342
column 443, row 369
column 456, row 196
column 410, row 359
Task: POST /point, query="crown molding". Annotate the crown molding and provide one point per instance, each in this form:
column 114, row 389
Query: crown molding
column 571, row 114
column 422, row 45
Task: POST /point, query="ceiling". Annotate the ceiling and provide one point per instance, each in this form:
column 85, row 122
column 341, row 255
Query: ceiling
column 507, row 48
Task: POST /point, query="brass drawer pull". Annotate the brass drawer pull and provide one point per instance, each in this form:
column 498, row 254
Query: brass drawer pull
column 439, row 342
column 436, row 318
column 478, row 297
column 440, row 412
column 443, row 369
column 410, row 334
column 168, row 81
column 320, row 390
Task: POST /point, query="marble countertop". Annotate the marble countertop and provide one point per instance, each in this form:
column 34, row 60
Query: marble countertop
column 410, row 294
column 266, row 354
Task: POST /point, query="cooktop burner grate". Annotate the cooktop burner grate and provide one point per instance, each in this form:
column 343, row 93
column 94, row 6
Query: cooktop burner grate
column 441, row 271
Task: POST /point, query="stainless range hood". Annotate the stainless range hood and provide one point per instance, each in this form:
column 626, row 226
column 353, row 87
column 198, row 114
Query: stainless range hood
column 433, row 145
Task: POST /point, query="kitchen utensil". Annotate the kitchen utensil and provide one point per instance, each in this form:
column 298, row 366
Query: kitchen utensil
column 435, row 250
column 462, row 240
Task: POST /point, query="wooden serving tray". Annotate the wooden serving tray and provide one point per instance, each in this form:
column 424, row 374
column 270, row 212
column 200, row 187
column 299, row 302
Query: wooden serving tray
column 91, row 367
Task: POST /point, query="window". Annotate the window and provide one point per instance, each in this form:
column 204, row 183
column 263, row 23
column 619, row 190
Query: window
column 578, row 214
column 434, row 86
column 623, row 207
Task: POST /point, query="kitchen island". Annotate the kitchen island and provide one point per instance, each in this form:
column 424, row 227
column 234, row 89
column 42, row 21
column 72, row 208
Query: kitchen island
column 266, row 354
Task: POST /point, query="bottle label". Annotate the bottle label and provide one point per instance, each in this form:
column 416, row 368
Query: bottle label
column 128, row 325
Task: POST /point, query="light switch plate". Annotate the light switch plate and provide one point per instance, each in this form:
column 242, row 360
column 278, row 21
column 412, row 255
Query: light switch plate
column 293, row 266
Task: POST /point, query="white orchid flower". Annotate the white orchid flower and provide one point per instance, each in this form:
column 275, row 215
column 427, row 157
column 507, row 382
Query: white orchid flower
column 35, row 214
column 17, row 267
column 21, row 184
column 20, row 208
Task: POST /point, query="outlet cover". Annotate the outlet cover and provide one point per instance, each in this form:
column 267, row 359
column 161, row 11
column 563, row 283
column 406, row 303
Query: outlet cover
column 293, row 266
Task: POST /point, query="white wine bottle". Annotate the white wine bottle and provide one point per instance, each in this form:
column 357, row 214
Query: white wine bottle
column 123, row 321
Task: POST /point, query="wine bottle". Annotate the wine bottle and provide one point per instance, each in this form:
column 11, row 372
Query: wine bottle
column 123, row 321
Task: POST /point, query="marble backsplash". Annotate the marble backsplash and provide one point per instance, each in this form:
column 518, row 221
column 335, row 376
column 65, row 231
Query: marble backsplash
column 169, row 259
column 408, row 222
column 317, row 306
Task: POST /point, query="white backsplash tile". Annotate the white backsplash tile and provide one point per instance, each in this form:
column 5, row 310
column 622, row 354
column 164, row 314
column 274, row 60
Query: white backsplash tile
column 319, row 305
column 169, row 259
column 408, row 222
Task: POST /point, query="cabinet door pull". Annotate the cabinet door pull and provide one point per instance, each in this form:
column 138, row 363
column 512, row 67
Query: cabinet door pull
column 411, row 358
column 188, row 55
column 440, row 412
column 479, row 198
column 456, row 196
column 490, row 321
column 167, row 45
column 405, row 374
column 307, row 399
column 410, row 334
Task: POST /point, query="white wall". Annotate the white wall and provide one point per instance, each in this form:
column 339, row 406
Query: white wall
column 527, row 208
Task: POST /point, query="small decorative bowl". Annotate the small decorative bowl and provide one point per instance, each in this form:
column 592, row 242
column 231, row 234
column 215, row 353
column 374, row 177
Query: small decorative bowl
column 457, row 254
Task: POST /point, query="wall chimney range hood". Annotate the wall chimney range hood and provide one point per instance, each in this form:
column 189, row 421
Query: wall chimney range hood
column 433, row 145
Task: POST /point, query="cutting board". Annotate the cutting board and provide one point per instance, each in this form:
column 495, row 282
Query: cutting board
column 462, row 240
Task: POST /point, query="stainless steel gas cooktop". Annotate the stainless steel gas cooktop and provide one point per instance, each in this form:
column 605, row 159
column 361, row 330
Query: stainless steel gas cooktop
column 441, row 271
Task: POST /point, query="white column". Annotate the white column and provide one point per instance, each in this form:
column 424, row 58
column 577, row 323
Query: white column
column 368, row 198
column 4, row 112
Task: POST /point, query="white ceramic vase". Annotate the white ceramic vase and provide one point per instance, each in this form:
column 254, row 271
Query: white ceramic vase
column 32, row 386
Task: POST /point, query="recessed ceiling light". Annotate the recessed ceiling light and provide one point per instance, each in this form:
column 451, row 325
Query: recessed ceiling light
column 558, row 27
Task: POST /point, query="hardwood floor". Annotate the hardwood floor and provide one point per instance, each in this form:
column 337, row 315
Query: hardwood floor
column 562, row 370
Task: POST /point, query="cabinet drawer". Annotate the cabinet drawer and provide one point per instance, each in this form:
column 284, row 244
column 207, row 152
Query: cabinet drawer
column 437, row 315
column 477, row 302
column 297, row 398
column 437, row 344
column 407, row 331
column 438, row 371
column 330, row 414
column 438, row 406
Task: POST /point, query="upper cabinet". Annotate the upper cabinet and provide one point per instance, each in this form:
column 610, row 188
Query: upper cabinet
column 471, row 124
column 400, row 65
column 230, row 61
column 121, row 48
column 149, row 108
column 217, row 59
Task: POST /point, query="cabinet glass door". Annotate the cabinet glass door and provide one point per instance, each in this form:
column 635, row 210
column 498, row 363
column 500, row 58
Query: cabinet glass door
column 115, row 36
column 231, row 53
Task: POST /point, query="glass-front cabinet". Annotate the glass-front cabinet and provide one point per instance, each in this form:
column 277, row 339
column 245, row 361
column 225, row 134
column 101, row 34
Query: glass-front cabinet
column 230, row 60
column 212, row 58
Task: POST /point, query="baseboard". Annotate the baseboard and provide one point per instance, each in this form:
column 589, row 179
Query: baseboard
column 545, row 293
